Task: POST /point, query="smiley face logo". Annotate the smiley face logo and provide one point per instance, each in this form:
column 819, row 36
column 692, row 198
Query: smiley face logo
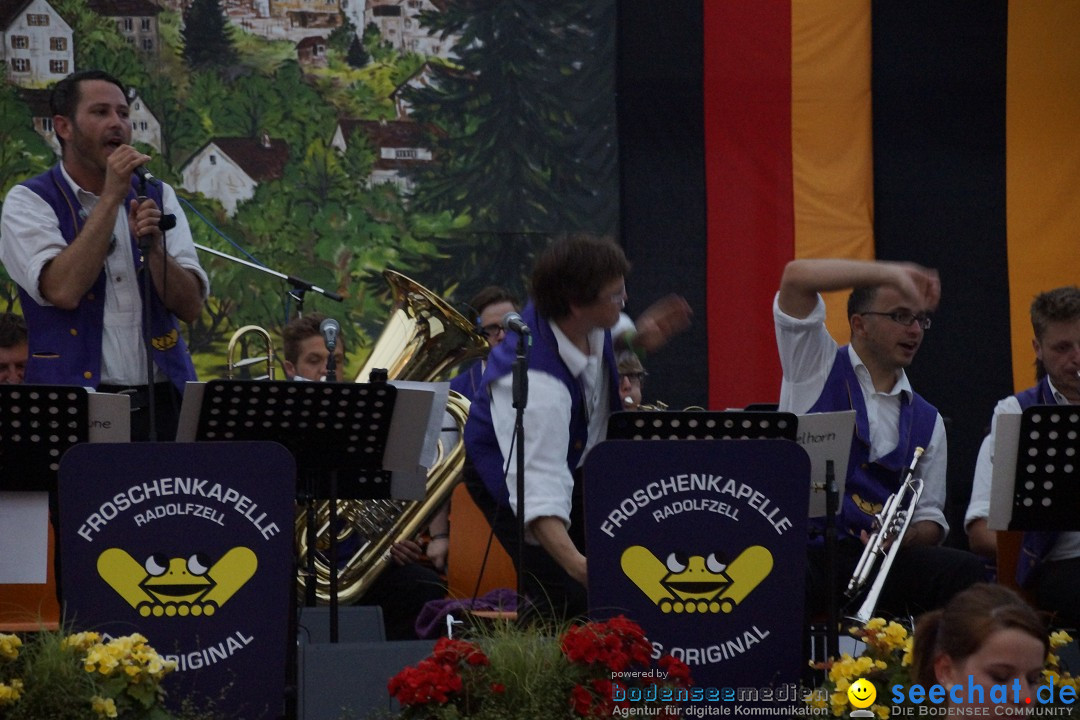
column 861, row 693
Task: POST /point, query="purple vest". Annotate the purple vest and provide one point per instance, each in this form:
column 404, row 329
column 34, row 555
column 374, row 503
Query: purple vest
column 871, row 482
column 480, row 442
column 1035, row 545
column 65, row 345
column 468, row 382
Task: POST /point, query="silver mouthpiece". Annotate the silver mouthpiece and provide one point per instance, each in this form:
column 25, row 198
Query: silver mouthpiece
column 630, row 401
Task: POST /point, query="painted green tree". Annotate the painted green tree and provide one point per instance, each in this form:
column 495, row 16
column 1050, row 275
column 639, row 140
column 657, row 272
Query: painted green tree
column 207, row 35
column 526, row 142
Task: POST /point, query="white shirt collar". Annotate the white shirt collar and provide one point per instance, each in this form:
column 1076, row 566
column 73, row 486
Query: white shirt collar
column 84, row 196
column 902, row 384
column 1058, row 397
column 576, row 361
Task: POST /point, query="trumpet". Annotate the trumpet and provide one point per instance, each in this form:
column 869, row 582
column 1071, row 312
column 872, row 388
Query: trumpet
column 892, row 523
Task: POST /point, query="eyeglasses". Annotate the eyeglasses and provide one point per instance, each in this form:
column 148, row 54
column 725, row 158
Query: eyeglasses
column 493, row 330
column 634, row 377
column 906, row 319
column 618, row 298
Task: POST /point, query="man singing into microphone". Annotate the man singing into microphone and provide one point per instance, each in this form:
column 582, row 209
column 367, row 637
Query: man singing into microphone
column 70, row 238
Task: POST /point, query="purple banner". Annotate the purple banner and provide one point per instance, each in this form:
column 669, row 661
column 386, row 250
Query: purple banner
column 703, row 542
column 191, row 545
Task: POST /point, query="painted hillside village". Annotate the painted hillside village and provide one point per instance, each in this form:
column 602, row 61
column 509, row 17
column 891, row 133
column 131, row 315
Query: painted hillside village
column 331, row 139
column 39, row 49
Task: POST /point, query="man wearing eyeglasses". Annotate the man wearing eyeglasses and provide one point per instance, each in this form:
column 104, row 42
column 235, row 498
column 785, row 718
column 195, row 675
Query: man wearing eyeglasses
column 888, row 313
column 578, row 293
column 490, row 306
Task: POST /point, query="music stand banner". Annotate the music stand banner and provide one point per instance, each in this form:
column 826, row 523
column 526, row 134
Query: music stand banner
column 191, row 545
column 703, row 542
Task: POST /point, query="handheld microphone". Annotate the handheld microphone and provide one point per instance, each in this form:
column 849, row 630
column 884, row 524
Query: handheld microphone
column 330, row 329
column 513, row 321
column 144, row 175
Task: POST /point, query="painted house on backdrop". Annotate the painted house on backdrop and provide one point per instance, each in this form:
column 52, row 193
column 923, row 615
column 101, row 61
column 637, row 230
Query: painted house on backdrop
column 308, row 13
column 37, row 102
column 145, row 127
column 399, row 24
column 400, row 148
column 311, row 51
column 36, row 44
column 137, row 21
column 228, row 169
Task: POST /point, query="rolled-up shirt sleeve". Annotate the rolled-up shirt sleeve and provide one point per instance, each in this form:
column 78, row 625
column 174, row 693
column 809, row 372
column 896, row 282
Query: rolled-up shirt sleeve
column 29, row 238
column 179, row 243
column 549, row 484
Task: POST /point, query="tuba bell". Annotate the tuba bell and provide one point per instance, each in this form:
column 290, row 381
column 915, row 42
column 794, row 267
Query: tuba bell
column 424, row 337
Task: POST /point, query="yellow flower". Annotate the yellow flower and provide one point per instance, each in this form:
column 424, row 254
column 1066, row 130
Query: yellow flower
column 10, row 693
column 874, row 623
column 106, row 707
column 81, row 641
column 839, row 702
column 881, row 710
column 908, row 645
column 1059, row 639
column 9, row 646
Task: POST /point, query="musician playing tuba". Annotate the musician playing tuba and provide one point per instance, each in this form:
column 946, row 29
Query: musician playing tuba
column 888, row 315
column 403, row 588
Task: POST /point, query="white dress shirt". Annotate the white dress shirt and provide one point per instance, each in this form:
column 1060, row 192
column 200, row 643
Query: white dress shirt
column 549, row 483
column 30, row 237
column 807, row 353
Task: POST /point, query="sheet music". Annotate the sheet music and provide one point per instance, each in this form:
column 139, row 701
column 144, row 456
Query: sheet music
column 1003, row 481
column 24, row 537
column 826, row 436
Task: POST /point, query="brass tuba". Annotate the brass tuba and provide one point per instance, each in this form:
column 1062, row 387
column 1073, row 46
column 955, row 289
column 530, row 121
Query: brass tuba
column 424, row 337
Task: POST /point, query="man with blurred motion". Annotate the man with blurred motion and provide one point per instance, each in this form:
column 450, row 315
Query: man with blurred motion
column 578, row 292
column 77, row 239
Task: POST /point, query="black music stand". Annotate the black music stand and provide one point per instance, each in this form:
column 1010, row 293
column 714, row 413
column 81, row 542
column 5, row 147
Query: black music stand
column 333, row 430
column 38, row 423
column 702, row 425
column 336, row 431
column 1045, row 492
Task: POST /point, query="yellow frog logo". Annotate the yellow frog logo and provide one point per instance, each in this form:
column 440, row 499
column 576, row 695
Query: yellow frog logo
column 176, row 586
column 695, row 583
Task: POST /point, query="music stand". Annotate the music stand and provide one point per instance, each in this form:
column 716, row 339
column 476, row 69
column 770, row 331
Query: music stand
column 702, row 425
column 38, row 423
column 1045, row 493
column 334, row 430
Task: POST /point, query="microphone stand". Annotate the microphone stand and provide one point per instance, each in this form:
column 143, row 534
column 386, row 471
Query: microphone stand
column 145, row 243
column 299, row 285
column 832, row 504
column 521, row 397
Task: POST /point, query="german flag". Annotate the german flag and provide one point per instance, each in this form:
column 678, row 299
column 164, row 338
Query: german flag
column 945, row 132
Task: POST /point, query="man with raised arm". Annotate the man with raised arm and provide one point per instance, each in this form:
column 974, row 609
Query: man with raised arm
column 888, row 314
